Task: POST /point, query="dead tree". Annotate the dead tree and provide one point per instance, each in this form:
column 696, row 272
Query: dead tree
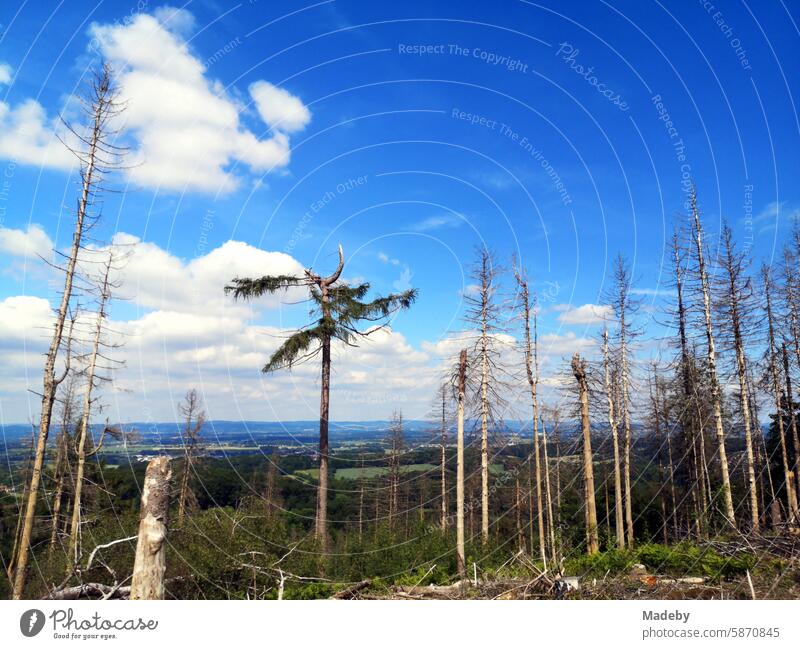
column 612, row 424
column 193, row 420
column 97, row 155
column 773, row 370
column 590, row 509
column 549, row 496
column 443, row 468
column 691, row 426
column 483, row 313
column 530, row 348
column 151, row 546
column 711, row 357
column 63, row 459
column 624, row 308
column 396, row 445
column 93, row 377
column 461, row 381
column 734, row 312
column 793, row 426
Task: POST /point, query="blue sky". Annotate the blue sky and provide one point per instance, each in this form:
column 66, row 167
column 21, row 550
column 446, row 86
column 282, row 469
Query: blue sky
column 265, row 133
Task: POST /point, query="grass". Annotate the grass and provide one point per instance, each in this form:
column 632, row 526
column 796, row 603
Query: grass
column 355, row 473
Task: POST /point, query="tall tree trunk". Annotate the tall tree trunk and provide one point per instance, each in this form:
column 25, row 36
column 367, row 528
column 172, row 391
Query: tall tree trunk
column 85, row 426
column 62, row 460
column 579, row 370
column 774, row 371
column 444, row 460
column 689, row 424
column 151, row 547
column 612, row 423
column 548, row 496
column 101, row 109
column 321, row 528
column 484, row 439
column 733, row 268
column 462, row 378
column 532, row 372
column 792, row 417
column 716, row 394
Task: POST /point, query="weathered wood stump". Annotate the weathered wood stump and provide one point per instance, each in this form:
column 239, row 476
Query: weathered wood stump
column 150, row 563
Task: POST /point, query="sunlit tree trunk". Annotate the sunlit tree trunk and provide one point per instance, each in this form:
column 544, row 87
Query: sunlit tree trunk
column 716, row 395
column 461, row 382
column 774, row 375
column 734, row 315
column 579, row 370
column 532, row 373
column 612, row 423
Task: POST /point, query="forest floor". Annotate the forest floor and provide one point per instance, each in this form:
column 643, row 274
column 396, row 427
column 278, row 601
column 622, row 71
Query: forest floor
column 736, row 572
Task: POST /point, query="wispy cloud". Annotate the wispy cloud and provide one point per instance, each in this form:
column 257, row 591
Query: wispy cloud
column 776, row 212
column 440, row 222
column 585, row 314
column 386, row 259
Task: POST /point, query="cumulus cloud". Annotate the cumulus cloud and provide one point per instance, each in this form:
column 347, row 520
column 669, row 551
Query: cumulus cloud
column 154, row 278
column 279, row 108
column 186, row 130
column 28, row 136
column 24, row 317
column 31, row 242
column 586, row 314
column 5, row 74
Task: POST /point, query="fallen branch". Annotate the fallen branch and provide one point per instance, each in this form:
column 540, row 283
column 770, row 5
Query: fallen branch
column 91, row 591
column 104, row 546
column 348, row 592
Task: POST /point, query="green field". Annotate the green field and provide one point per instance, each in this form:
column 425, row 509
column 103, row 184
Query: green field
column 356, row 473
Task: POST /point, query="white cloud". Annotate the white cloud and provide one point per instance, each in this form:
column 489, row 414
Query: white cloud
column 28, row 136
column 24, row 317
column 386, row 259
column 177, row 20
column 5, row 74
column 278, row 108
column 775, row 212
column 153, row 278
column 187, row 127
column 26, row 243
column 438, row 223
column 586, row 314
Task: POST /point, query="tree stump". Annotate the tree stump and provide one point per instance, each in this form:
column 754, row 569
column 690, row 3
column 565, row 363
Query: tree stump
column 150, row 563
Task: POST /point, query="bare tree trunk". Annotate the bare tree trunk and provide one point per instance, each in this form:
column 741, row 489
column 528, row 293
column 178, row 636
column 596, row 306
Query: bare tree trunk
column 716, row 395
column 774, row 372
column 102, row 109
column 792, row 421
column 61, row 475
column 151, row 547
column 691, row 427
column 444, row 460
column 612, row 423
column 733, row 263
column 557, row 441
column 484, row 440
column 85, row 431
column 460, row 553
column 548, row 496
column 579, row 370
column 532, row 372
